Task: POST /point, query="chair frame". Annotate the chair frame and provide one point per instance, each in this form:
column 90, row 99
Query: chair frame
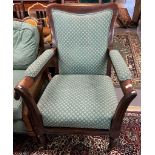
column 36, row 119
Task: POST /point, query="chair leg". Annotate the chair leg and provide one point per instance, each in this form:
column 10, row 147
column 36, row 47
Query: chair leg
column 112, row 143
column 42, row 140
column 34, row 138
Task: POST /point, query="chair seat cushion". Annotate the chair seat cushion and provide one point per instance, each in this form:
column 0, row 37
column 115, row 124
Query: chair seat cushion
column 80, row 101
column 17, row 106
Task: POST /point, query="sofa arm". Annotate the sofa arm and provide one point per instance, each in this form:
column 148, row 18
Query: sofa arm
column 122, row 71
column 36, row 67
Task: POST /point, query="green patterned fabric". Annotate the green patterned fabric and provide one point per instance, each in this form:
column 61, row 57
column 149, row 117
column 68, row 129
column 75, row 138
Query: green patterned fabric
column 25, row 44
column 17, row 105
column 120, row 66
column 39, row 63
column 19, row 126
column 82, row 41
column 82, row 101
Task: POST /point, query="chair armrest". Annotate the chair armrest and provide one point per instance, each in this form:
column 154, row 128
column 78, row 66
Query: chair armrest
column 40, row 63
column 120, row 66
column 124, row 77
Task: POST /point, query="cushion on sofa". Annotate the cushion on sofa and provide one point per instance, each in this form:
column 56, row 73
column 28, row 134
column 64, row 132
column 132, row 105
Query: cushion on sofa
column 25, row 44
column 17, row 105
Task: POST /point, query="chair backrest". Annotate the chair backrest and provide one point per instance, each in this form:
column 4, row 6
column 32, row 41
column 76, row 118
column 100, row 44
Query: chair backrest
column 18, row 10
column 38, row 10
column 25, row 44
column 81, row 34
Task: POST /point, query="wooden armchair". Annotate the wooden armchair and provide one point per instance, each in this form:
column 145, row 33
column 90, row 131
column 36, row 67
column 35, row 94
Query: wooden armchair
column 81, row 98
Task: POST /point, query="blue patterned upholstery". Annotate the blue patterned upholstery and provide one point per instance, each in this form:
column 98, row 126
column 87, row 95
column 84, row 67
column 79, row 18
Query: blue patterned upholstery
column 120, row 66
column 82, row 101
column 39, row 63
column 25, row 44
column 82, row 41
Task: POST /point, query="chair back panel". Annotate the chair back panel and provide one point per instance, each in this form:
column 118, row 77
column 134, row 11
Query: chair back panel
column 82, row 40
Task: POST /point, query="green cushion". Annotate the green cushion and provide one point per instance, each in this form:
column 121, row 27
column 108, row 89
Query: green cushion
column 17, row 106
column 82, row 101
column 25, row 44
column 120, row 66
column 19, row 126
column 82, row 41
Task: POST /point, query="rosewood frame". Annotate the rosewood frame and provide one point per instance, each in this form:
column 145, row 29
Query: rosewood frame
column 22, row 89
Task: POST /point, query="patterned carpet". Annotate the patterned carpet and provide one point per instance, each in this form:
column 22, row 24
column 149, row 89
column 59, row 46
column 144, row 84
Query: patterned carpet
column 129, row 46
column 129, row 142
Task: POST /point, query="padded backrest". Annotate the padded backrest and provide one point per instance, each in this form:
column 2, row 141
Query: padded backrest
column 82, row 41
column 25, row 44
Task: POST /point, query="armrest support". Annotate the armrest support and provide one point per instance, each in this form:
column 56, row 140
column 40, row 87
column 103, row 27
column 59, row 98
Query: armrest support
column 40, row 63
column 28, row 89
column 120, row 66
column 124, row 77
column 35, row 114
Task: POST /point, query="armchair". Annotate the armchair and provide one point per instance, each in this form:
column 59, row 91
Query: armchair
column 27, row 45
column 81, row 98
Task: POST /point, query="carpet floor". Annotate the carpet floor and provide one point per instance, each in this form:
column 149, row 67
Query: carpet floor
column 129, row 46
column 129, row 142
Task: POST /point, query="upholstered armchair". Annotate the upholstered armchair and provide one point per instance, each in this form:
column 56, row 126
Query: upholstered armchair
column 80, row 98
column 27, row 45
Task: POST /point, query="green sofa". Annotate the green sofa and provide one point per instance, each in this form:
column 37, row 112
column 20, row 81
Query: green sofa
column 25, row 50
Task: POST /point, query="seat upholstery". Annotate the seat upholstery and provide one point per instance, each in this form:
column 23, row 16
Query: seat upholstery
column 25, row 44
column 82, row 101
column 82, row 41
column 17, row 106
column 18, row 124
